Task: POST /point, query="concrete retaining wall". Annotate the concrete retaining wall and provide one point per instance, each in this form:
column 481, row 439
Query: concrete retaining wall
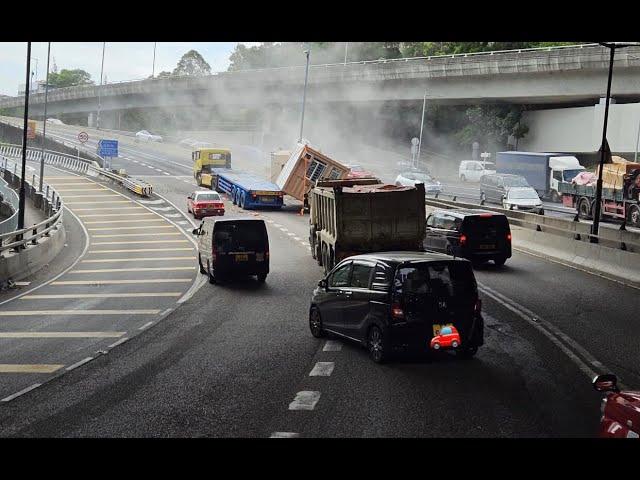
column 16, row 266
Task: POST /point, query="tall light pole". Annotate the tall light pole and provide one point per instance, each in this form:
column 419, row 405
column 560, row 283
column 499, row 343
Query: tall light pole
column 304, row 95
column 153, row 70
column 346, row 46
column 424, row 103
column 24, row 142
column 100, row 88
column 604, row 146
column 44, row 125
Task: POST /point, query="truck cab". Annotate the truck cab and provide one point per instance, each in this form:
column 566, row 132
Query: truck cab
column 206, row 159
column 563, row 169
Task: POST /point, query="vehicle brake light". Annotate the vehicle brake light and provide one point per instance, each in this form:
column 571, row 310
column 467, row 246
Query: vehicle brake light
column 396, row 311
column 485, row 215
column 463, row 239
column 508, row 236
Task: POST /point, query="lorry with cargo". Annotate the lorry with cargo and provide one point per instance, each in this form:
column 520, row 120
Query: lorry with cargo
column 244, row 189
column 206, row 159
column 304, row 168
column 543, row 171
column 349, row 217
column 620, row 193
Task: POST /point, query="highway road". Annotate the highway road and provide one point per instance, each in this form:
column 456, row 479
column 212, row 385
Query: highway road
column 235, row 360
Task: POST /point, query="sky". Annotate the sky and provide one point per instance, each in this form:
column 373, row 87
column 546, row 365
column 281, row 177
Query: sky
column 122, row 61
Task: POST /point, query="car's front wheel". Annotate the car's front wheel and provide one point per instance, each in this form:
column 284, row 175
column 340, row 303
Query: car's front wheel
column 262, row 277
column 377, row 345
column 315, row 323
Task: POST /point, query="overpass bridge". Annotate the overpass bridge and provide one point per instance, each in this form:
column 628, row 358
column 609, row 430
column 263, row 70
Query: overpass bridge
column 567, row 76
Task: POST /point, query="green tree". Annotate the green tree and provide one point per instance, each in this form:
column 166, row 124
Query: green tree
column 69, row 78
column 491, row 126
column 192, row 63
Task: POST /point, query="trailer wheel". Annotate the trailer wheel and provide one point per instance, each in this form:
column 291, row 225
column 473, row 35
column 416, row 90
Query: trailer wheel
column 633, row 216
column 584, row 208
column 233, row 197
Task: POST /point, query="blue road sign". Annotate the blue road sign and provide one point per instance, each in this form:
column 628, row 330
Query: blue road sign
column 108, row 148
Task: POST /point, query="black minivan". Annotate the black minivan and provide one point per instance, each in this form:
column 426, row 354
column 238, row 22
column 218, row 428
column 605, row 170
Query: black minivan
column 233, row 246
column 478, row 235
column 399, row 301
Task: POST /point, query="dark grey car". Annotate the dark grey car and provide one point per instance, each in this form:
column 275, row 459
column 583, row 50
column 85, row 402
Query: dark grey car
column 493, row 188
column 398, row 301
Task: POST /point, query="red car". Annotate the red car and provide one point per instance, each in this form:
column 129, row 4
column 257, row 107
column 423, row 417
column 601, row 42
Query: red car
column 449, row 337
column 620, row 410
column 205, row 204
column 356, row 171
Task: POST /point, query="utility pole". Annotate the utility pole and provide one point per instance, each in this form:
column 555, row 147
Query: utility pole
column 304, row 94
column 346, row 46
column 153, row 71
column 424, row 103
column 44, row 125
column 100, row 88
column 24, row 142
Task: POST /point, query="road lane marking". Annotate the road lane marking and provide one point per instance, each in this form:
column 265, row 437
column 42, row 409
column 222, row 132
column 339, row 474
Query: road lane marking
column 161, row 209
column 173, row 215
column 74, row 184
column 173, row 249
column 77, row 364
column 96, row 209
column 139, row 259
column 119, row 342
column 322, row 369
column 29, row 368
column 101, row 203
column 151, row 202
column 146, row 269
column 111, row 195
column 139, row 242
column 101, row 295
column 148, row 324
column 136, row 235
column 19, row 313
column 21, row 392
column 146, row 214
column 61, row 334
column 284, row 435
column 332, row 346
column 155, row 220
column 123, row 282
column 81, row 190
column 305, row 400
column 148, row 227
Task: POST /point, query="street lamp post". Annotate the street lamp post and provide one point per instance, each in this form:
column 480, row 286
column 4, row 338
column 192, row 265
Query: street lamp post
column 604, row 146
column 424, row 103
column 44, row 125
column 24, row 142
column 100, row 88
column 346, row 46
column 304, row 95
column 153, row 70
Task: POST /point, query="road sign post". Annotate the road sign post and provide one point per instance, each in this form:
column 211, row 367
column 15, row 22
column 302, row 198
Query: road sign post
column 484, row 157
column 107, row 149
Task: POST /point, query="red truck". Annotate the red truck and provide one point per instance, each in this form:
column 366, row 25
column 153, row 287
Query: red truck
column 620, row 410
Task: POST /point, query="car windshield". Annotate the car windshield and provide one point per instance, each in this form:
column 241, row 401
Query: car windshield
column 515, row 182
column 523, row 194
column 242, row 235
column 571, row 174
column 204, row 197
column 423, row 177
column 440, row 279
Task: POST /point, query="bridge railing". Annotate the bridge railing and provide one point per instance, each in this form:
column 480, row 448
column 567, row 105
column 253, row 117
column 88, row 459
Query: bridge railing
column 10, row 198
column 60, row 159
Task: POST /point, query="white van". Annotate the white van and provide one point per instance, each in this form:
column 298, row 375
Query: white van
column 472, row 170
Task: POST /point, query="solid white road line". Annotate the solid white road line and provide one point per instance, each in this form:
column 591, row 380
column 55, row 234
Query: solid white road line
column 119, row 342
column 145, row 325
column 140, row 242
column 149, row 234
column 77, row 364
column 151, row 202
column 305, row 400
column 146, row 269
column 61, row 334
column 149, row 281
column 173, row 249
column 101, row 295
column 139, row 259
column 322, row 369
column 21, row 392
column 20, row 313
column 332, row 346
column 29, row 368
column 284, row 435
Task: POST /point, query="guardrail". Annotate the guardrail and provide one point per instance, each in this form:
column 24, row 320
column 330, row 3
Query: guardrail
column 135, row 185
column 18, row 240
column 59, row 159
column 10, row 198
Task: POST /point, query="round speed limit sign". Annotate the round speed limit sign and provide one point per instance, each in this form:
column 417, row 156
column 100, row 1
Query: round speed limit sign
column 83, row 137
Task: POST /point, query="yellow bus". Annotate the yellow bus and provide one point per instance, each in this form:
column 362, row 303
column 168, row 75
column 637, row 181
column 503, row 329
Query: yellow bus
column 205, row 159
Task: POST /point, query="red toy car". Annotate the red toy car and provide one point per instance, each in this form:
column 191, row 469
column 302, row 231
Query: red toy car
column 620, row 410
column 204, row 204
column 449, row 337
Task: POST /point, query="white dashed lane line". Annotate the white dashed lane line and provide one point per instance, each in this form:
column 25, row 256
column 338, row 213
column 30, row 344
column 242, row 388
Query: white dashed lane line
column 305, row 400
column 322, row 369
column 284, row 435
column 332, row 346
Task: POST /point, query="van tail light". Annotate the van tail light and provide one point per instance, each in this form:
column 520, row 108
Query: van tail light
column 463, row 239
column 478, row 306
column 508, row 237
column 396, row 311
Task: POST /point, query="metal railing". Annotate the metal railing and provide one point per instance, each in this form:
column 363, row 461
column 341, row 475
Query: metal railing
column 9, row 197
column 18, row 240
column 136, row 185
column 59, row 159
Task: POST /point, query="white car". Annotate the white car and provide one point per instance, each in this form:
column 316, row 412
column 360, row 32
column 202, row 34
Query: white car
column 54, row 121
column 472, row 170
column 144, row 136
column 522, row 198
column 409, row 179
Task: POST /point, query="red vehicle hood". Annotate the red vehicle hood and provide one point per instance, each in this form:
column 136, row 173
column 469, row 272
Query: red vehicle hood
column 625, row 406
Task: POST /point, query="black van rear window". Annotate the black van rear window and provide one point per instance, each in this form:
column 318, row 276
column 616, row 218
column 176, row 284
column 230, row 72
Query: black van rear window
column 447, row 279
column 246, row 235
column 493, row 224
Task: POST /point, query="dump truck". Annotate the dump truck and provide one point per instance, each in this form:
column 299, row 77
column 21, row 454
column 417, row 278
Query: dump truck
column 620, row 193
column 245, row 189
column 349, row 217
column 206, row 159
column 304, row 168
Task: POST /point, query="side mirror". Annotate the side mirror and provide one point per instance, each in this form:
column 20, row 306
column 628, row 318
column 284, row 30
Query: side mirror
column 323, row 283
column 607, row 382
column 196, row 231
